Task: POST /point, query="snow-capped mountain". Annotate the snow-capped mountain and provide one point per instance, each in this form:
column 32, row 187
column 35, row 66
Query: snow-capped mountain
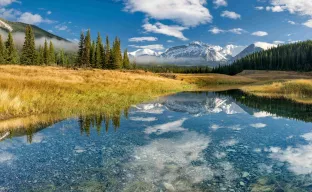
column 198, row 52
column 255, row 47
column 144, row 52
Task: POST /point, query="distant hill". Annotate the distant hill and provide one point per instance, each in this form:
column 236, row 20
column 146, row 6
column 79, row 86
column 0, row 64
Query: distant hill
column 253, row 48
column 16, row 27
column 289, row 57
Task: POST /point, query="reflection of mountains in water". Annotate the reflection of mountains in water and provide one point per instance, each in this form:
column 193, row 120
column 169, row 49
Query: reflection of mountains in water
column 202, row 103
column 195, row 103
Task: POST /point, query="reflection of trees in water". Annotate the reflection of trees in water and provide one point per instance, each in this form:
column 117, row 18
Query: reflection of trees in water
column 28, row 131
column 277, row 106
column 86, row 123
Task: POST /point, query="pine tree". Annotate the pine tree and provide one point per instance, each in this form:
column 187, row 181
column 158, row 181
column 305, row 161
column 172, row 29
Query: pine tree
column 79, row 61
column 2, row 51
column 116, row 55
column 28, row 56
column 40, row 60
column 87, row 50
column 126, row 61
column 51, row 54
column 11, row 52
column 92, row 55
column 99, row 52
column 46, row 53
column 107, row 56
column 61, row 60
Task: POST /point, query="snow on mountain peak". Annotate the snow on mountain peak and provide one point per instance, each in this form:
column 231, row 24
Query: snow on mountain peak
column 5, row 25
column 143, row 52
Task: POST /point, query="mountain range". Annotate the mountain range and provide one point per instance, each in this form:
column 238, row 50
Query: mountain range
column 199, row 53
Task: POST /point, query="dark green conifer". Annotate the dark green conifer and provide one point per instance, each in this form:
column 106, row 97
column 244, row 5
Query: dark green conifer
column 52, row 59
column 126, row 61
column 29, row 56
column 11, row 52
column 87, row 50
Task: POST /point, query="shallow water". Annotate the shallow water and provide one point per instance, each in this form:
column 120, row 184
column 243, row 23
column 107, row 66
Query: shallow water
column 224, row 141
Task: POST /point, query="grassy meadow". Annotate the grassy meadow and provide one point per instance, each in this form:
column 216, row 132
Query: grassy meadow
column 37, row 90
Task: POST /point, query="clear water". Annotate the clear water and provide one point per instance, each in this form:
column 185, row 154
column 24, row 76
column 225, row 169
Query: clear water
column 224, row 141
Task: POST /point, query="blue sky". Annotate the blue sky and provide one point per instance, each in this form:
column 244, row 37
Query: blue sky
column 161, row 24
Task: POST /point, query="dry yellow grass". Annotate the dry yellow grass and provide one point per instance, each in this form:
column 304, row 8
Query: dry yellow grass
column 212, row 81
column 299, row 90
column 34, row 90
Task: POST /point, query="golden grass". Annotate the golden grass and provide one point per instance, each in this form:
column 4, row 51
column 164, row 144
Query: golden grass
column 212, row 81
column 298, row 90
column 34, row 90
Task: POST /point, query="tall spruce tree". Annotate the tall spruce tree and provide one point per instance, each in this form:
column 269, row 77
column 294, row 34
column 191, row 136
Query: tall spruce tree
column 52, row 59
column 40, row 60
column 126, row 61
column 46, row 53
column 2, row 51
column 87, row 50
column 29, row 56
column 11, row 52
column 92, row 55
column 107, row 58
column 79, row 61
column 116, row 55
column 99, row 52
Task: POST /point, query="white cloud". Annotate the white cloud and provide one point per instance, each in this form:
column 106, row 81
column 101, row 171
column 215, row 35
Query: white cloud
column 238, row 31
column 260, row 33
column 299, row 158
column 275, row 9
column 144, row 119
column 185, row 12
column 302, row 7
column 278, row 42
column 292, row 22
column 220, row 3
column 6, row 2
column 170, row 41
column 258, row 125
column 308, row 23
column 153, row 47
column 61, row 27
column 170, row 162
column 216, row 30
column 175, row 126
column 169, row 30
column 30, row 18
column 230, row 14
column 259, row 8
column 141, row 39
column 10, row 14
column 49, row 12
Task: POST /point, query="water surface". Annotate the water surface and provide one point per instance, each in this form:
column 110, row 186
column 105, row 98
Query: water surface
column 225, row 141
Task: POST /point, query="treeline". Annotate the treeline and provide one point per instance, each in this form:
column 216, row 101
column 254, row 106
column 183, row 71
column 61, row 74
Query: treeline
column 90, row 54
column 290, row 57
column 97, row 55
column 175, row 69
column 30, row 55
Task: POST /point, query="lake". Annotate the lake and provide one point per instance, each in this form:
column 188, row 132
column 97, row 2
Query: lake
column 203, row 141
